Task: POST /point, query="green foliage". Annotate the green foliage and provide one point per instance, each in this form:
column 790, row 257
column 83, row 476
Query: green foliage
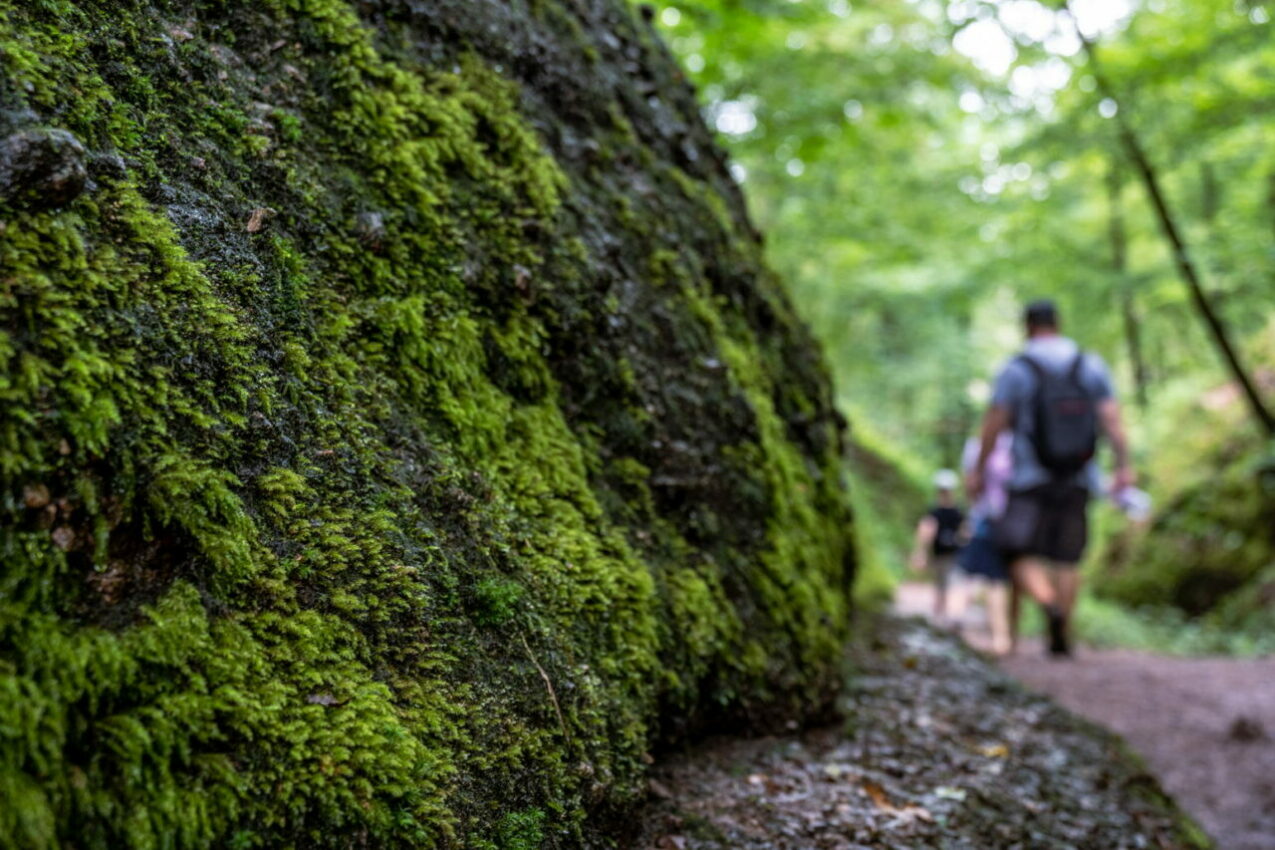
column 888, row 496
column 917, row 191
column 1203, row 565
column 518, row 831
column 1101, row 622
column 391, row 436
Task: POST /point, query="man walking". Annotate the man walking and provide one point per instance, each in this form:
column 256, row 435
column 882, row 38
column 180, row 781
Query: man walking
column 1057, row 400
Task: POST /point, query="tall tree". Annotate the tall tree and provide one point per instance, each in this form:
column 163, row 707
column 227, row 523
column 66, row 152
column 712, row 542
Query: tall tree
column 1120, row 266
column 1182, row 258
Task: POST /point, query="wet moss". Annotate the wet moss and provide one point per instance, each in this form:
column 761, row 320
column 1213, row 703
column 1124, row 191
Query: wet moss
column 400, row 434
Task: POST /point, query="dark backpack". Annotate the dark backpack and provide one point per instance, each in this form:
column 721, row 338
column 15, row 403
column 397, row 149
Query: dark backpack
column 1065, row 416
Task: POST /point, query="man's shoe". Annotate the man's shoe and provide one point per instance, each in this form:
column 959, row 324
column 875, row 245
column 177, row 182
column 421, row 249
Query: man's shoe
column 1058, row 646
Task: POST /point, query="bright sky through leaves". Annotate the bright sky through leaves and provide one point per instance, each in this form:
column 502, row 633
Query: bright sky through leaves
column 987, row 41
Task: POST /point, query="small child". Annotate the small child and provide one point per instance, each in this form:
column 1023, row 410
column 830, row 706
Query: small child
column 938, row 538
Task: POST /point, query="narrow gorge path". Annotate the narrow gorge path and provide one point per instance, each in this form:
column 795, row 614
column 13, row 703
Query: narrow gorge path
column 938, row 749
column 1205, row 726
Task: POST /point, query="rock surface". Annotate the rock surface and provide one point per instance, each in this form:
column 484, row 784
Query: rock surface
column 41, row 168
column 401, row 438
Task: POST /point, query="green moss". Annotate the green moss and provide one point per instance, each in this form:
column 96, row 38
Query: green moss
column 377, row 466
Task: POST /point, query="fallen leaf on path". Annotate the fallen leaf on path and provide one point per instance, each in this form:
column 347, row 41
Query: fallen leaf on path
column 659, row 789
column 882, row 801
column 877, row 794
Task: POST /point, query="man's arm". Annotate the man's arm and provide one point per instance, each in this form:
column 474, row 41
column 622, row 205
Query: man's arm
column 995, row 421
column 1113, row 426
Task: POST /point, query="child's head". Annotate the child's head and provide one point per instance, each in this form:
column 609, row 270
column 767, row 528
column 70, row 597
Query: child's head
column 945, row 483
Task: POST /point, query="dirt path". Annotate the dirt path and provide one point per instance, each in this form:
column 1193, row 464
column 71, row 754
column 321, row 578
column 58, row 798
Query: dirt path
column 1206, row 726
column 938, row 750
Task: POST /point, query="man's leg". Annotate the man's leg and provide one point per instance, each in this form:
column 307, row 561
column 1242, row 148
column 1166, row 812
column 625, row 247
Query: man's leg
column 1069, row 533
column 1032, row 577
column 1067, row 578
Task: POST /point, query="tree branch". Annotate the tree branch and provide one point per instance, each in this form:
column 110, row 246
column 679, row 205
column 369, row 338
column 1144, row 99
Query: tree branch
column 1168, row 225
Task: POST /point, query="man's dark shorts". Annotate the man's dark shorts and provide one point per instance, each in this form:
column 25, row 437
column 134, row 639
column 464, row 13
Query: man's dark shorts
column 1050, row 521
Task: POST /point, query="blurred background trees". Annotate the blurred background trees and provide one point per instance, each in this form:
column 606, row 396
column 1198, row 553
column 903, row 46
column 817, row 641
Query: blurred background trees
column 921, row 168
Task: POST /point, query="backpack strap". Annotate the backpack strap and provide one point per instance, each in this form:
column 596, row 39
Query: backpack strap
column 1037, row 370
column 1076, row 365
column 1073, row 371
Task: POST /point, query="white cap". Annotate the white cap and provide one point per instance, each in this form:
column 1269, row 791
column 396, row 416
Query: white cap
column 946, row 479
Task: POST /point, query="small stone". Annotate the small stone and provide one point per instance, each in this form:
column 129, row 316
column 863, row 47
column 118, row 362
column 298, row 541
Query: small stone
column 322, row 699
column 63, row 537
column 35, row 496
column 108, row 166
column 370, row 227
column 522, row 280
column 41, row 168
column 1247, row 729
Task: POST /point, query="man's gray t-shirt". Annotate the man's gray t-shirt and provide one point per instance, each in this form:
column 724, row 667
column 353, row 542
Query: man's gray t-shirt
column 1015, row 387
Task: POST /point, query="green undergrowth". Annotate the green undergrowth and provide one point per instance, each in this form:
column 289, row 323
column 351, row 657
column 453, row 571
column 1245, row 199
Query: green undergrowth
column 1200, row 576
column 1102, row 623
column 888, row 497
column 400, row 436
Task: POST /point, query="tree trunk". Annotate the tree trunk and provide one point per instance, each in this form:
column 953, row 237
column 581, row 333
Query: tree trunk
column 1270, row 200
column 1210, row 195
column 1119, row 265
column 1182, row 259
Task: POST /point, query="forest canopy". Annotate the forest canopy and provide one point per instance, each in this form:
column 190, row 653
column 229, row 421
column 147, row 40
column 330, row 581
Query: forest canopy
column 922, row 168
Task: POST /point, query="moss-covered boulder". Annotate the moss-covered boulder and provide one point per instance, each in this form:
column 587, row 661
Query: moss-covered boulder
column 399, row 432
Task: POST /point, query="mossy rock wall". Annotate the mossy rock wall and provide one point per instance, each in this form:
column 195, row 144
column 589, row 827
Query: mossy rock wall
column 400, row 434
column 1209, row 553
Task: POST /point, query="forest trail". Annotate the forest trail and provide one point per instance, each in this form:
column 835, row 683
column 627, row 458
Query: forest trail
column 1206, row 726
column 937, row 749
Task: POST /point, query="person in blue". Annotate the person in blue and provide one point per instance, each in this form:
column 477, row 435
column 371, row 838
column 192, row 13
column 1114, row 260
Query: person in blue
column 980, row 563
column 1057, row 400
column 938, row 539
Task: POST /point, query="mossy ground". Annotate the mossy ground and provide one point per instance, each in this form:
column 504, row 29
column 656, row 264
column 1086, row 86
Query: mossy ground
column 400, row 435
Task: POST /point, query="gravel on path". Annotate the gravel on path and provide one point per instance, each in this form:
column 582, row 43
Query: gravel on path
column 939, row 750
column 1205, row 726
